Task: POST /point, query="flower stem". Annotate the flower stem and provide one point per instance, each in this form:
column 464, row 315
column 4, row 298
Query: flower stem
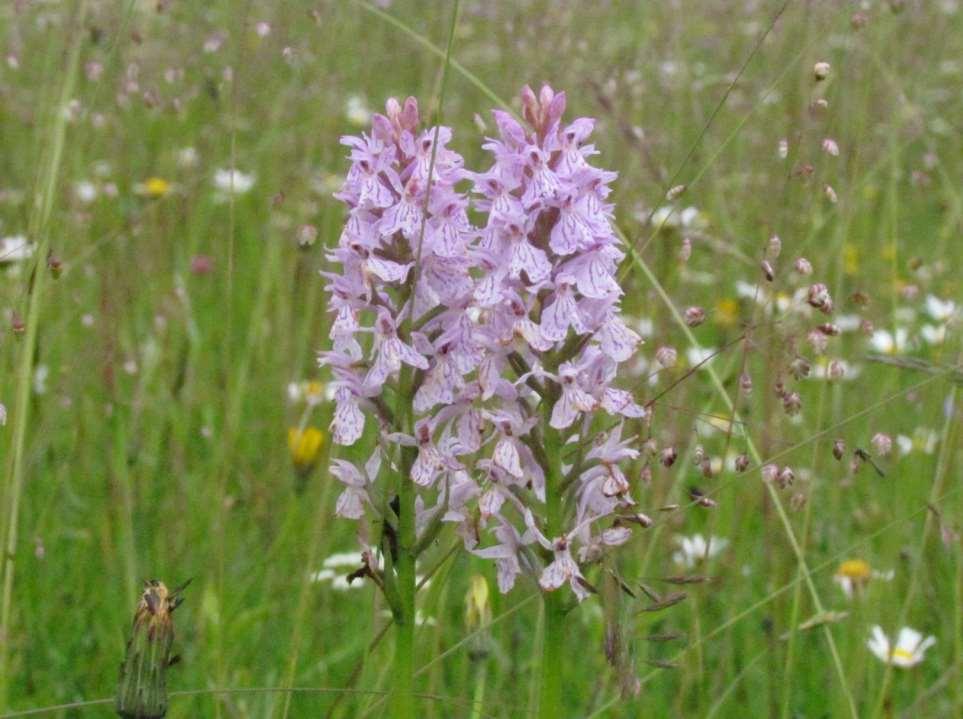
column 402, row 700
column 553, row 638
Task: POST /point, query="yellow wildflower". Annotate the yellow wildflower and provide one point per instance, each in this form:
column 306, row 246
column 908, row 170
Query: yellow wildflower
column 154, row 187
column 305, row 447
column 727, row 311
column 854, row 574
column 478, row 615
column 478, row 610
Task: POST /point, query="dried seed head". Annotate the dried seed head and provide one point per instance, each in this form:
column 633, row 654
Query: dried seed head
column 55, row 266
column 645, row 476
column 745, row 383
column 882, row 444
column 685, row 252
column 792, row 403
column 643, row 520
column 695, row 316
column 742, row 463
column 707, row 468
column 668, row 456
column 698, row 455
column 835, row 370
column 821, row 71
column 785, row 478
column 797, row 501
column 830, row 147
column 774, row 247
column 803, row 266
column 829, row 329
column 666, row 356
column 839, row 449
column 767, row 270
column 817, row 340
column 800, row 368
column 770, row 472
column 307, row 235
column 830, row 194
column 818, row 296
column 674, row 192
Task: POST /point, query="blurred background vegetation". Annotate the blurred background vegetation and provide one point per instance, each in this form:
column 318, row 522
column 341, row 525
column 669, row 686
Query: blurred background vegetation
column 179, row 301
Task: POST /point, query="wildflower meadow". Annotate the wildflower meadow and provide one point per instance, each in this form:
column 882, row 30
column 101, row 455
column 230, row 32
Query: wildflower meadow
column 481, row 359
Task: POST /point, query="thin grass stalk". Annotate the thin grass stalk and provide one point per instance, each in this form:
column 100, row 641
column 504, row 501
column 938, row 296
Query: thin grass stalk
column 939, row 475
column 39, row 225
column 772, row 493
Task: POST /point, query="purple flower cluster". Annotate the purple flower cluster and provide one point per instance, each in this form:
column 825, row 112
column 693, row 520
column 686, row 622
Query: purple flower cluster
column 511, row 329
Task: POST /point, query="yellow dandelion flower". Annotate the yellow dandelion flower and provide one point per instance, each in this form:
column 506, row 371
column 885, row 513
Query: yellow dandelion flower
column 305, row 447
column 154, row 187
column 727, row 311
column 854, row 574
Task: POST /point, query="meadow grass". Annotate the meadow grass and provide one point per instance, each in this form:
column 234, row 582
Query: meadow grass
column 147, row 401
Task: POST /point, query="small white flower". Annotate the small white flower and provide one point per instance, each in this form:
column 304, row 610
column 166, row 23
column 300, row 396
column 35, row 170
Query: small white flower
column 695, row 355
column 642, row 325
column 908, row 651
column 356, row 111
column 85, row 191
column 15, row 249
column 322, row 575
column 343, row 559
column 233, row 182
column 940, row 310
column 890, row 343
column 923, row 440
column 933, row 334
column 693, row 550
column 40, row 375
column 187, row 157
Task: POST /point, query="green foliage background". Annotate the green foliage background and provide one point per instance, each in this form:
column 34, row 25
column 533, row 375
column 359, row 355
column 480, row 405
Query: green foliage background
column 159, row 446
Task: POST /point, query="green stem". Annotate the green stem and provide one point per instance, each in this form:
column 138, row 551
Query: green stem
column 38, row 230
column 553, row 637
column 402, row 700
column 478, row 698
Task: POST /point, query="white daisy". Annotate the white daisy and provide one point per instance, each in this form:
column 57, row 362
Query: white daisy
column 890, row 343
column 693, row 550
column 908, row 651
column 233, row 182
column 15, row 249
column 940, row 310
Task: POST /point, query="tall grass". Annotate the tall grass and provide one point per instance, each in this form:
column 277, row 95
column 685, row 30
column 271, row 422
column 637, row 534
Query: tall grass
column 158, row 446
